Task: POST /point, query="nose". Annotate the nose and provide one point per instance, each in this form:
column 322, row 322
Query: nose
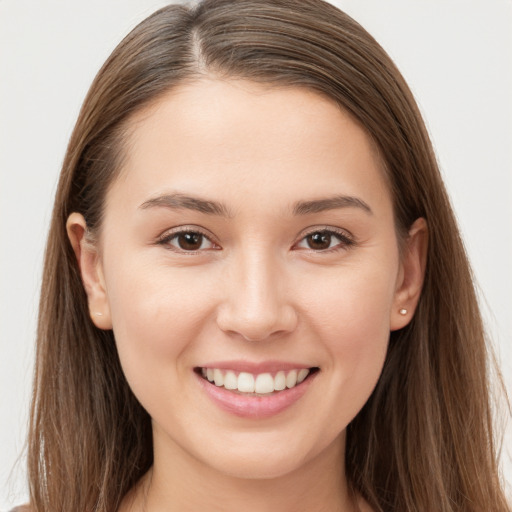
column 256, row 300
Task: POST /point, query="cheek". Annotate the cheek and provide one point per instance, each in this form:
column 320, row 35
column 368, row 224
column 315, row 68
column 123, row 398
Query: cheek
column 352, row 304
column 157, row 314
column 351, row 318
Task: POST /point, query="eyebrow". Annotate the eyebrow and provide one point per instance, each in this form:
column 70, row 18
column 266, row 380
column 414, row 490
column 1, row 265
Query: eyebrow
column 179, row 201
column 183, row 202
column 330, row 203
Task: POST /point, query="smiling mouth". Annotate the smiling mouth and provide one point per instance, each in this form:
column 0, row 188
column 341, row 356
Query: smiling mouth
column 261, row 384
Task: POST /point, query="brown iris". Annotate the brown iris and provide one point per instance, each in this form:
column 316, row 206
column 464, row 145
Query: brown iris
column 190, row 241
column 319, row 240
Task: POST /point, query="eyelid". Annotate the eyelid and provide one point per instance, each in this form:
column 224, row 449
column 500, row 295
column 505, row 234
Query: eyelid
column 347, row 239
column 169, row 234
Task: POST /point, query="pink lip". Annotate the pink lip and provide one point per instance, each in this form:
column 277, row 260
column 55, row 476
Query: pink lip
column 254, row 407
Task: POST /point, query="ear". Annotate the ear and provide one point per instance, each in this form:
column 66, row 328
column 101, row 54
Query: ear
column 89, row 263
column 410, row 275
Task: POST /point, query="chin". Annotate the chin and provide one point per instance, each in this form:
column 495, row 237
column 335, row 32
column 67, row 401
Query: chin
column 263, row 466
column 267, row 457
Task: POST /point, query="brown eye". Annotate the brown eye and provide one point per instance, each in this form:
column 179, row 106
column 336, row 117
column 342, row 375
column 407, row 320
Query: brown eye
column 190, row 241
column 187, row 241
column 319, row 241
column 326, row 240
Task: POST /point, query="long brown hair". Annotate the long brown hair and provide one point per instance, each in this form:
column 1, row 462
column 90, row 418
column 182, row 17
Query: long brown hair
column 424, row 441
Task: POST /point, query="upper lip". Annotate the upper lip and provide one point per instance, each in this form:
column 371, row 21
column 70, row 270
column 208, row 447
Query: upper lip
column 256, row 368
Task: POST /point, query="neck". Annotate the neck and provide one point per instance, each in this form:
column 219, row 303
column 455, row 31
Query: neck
column 179, row 482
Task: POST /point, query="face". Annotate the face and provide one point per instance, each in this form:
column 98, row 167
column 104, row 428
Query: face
column 248, row 240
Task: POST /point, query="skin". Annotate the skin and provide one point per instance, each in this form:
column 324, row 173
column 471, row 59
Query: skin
column 255, row 290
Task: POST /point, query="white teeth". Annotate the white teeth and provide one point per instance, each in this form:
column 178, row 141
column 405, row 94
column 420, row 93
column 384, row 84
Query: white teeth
column 263, row 383
column 291, row 379
column 218, row 377
column 230, row 380
column 246, row 382
column 303, row 373
column 280, row 381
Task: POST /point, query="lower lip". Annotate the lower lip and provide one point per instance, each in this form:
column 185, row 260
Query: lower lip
column 255, row 406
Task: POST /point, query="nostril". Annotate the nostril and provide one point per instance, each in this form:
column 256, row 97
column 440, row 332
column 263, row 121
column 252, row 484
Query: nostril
column 257, row 320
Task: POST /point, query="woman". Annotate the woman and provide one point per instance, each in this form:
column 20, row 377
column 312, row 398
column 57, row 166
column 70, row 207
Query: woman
column 255, row 294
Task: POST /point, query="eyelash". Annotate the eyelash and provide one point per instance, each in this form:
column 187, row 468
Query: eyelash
column 167, row 237
column 345, row 240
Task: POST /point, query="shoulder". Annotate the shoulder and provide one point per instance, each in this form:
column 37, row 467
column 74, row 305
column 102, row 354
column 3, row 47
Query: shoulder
column 22, row 508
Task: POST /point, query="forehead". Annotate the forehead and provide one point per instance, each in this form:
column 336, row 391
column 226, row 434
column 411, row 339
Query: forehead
column 236, row 139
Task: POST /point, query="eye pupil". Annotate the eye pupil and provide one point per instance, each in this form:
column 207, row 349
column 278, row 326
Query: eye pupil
column 190, row 241
column 319, row 240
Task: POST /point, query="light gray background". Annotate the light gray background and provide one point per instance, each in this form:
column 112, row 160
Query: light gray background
column 456, row 55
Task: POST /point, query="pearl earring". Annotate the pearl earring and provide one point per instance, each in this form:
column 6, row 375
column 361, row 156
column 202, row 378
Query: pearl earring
column 403, row 311
column 97, row 313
